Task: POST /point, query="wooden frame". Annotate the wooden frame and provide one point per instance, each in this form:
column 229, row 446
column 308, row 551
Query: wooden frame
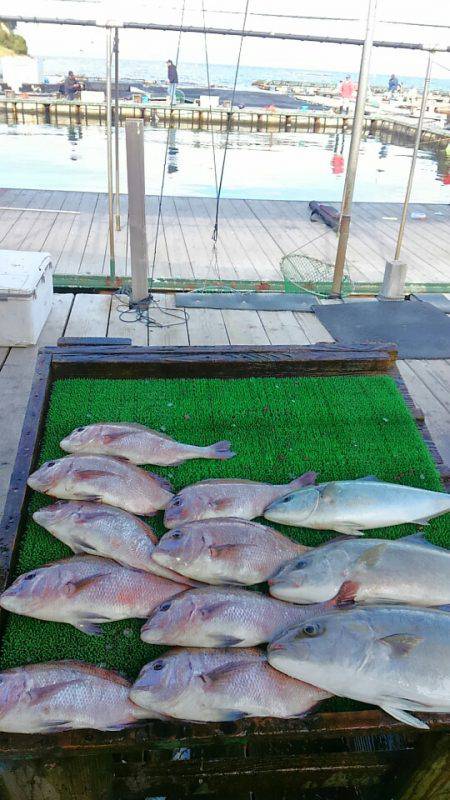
column 300, row 758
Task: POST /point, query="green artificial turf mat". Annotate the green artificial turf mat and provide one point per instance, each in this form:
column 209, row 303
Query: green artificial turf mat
column 342, row 427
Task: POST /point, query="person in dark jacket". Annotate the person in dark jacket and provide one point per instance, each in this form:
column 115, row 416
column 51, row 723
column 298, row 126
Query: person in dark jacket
column 172, row 77
column 71, row 86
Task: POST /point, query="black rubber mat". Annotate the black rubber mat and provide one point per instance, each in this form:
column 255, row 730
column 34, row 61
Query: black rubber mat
column 247, row 301
column 439, row 301
column 419, row 329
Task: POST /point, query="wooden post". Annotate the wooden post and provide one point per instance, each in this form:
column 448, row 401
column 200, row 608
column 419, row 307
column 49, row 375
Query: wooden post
column 134, row 134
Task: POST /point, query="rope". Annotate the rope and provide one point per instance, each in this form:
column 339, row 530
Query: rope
column 163, row 179
column 238, row 62
column 209, row 93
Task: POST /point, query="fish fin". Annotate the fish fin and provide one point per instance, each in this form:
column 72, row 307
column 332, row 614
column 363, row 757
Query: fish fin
column 371, row 556
column 92, row 498
column 80, row 546
column 55, row 725
column 370, row 478
column 403, row 716
column 222, row 503
column 401, row 643
column 221, row 450
column 230, row 580
column 307, row 479
column 227, row 641
column 217, row 550
column 231, row 715
column 89, row 628
column 89, row 474
column 349, row 530
column 219, row 674
column 419, row 538
column 207, row 611
column 113, row 436
column 423, row 521
column 72, row 587
column 88, row 514
column 163, row 483
column 347, row 594
column 45, row 692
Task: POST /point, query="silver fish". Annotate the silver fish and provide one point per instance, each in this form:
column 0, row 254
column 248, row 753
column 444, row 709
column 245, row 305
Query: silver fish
column 409, row 570
column 85, row 591
column 213, row 685
column 224, row 551
column 103, row 479
column 216, row 616
column 396, row 657
column 139, row 444
column 66, row 695
column 351, row 507
column 227, row 498
column 106, row 531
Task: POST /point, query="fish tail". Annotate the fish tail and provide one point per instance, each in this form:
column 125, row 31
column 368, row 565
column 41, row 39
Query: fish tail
column 307, row 479
column 220, row 450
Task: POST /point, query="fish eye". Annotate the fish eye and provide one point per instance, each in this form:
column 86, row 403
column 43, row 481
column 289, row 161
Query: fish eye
column 165, row 606
column 158, row 665
column 51, row 463
column 30, row 576
column 176, row 535
column 78, row 430
column 300, row 564
column 177, row 502
column 312, row 629
column 286, row 499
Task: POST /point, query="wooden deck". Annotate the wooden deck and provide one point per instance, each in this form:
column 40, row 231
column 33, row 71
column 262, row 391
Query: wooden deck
column 254, row 236
column 98, row 315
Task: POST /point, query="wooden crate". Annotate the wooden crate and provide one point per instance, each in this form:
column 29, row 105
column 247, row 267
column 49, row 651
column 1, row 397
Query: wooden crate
column 361, row 754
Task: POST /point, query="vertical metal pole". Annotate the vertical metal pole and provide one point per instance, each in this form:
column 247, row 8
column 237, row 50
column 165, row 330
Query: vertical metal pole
column 358, row 120
column 134, row 136
column 117, row 124
column 423, row 107
column 112, row 257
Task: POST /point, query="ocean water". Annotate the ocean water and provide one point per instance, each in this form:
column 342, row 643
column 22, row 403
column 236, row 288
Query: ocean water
column 279, row 166
column 220, row 74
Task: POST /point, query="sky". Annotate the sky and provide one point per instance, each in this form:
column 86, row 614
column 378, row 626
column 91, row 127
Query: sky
column 263, row 15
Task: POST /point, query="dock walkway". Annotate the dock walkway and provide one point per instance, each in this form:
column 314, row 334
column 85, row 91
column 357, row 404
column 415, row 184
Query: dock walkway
column 254, row 236
column 98, row 315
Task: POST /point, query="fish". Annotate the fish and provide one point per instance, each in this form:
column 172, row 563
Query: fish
column 66, row 695
column 139, row 444
column 351, row 507
column 227, row 498
column 215, row 616
column 85, row 591
column 106, row 531
column 103, row 479
column 221, row 685
column 409, row 570
column 225, row 551
column 395, row 657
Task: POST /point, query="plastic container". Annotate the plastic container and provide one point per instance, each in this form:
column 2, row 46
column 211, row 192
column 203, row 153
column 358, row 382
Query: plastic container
column 26, row 295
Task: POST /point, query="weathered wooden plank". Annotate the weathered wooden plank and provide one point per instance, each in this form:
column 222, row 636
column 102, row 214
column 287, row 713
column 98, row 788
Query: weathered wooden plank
column 429, row 394
column 282, row 327
column 89, row 315
column 169, row 326
column 206, row 326
column 313, row 328
column 124, row 321
column 15, row 382
column 244, row 326
column 72, row 252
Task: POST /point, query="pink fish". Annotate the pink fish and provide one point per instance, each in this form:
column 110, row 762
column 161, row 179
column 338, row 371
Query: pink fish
column 106, row 531
column 85, row 591
column 103, row 479
column 214, row 685
column 66, row 695
column 138, row 444
column 226, row 550
column 227, row 498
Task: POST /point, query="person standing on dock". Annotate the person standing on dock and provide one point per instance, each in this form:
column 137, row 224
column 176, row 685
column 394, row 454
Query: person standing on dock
column 172, row 77
column 393, row 84
column 71, row 86
column 346, row 91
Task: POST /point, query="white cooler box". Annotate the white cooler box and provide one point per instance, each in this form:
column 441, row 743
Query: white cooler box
column 26, row 295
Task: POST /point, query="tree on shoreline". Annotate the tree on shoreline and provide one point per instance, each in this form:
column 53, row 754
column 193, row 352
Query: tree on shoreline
column 11, row 43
